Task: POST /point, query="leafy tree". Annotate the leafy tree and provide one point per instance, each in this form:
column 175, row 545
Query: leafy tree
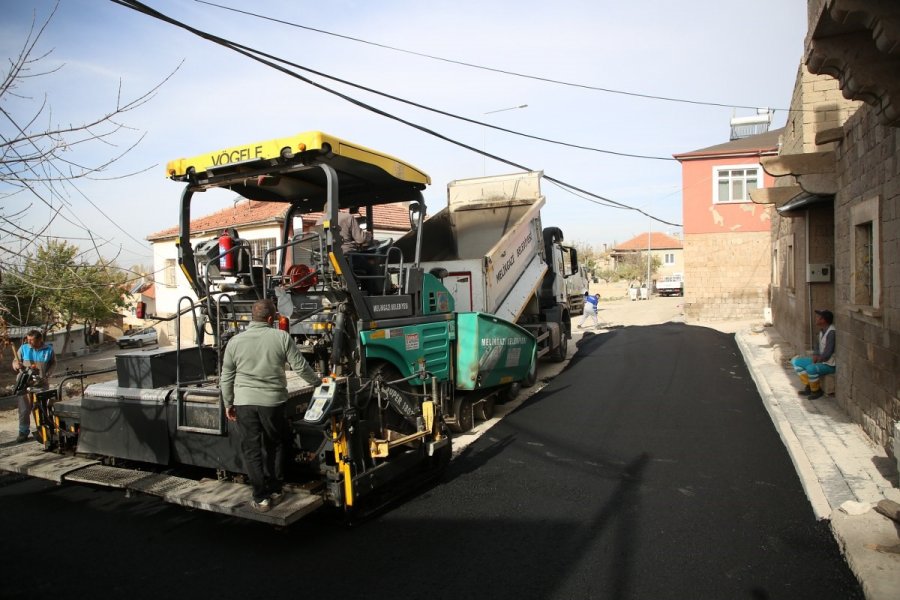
column 41, row 164
column 587, row 256
column 61, row 289
column 633, row 266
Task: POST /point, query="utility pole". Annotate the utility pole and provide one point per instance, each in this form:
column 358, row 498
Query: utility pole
column 649, row 236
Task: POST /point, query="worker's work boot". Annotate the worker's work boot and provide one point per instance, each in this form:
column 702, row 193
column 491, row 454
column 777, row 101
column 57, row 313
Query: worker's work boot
column 805, row 391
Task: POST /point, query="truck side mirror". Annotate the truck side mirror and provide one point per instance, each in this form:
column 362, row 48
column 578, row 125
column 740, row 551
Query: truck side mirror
column 416, row 214
column 297, row 225
column 573, row 258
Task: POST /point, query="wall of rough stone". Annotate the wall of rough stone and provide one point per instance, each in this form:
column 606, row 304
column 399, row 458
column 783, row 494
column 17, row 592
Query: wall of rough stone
column 868, row 372
column 726, row 275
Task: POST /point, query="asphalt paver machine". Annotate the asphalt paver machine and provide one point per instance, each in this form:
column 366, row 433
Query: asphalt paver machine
column 399, row 364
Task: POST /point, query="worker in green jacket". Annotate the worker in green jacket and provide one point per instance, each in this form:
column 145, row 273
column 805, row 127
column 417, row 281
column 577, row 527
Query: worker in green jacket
column 254, row 390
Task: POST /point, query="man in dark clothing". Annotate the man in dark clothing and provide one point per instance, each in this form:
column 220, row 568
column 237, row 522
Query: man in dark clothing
column 821, row 363
column 254, row 390
column 353, row 237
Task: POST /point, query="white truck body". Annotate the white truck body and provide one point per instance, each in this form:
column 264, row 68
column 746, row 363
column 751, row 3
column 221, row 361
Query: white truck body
column 491, row 242
column 672, row 285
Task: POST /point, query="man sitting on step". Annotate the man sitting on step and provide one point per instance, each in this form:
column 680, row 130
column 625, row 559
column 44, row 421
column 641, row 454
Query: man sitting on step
column 810, row 369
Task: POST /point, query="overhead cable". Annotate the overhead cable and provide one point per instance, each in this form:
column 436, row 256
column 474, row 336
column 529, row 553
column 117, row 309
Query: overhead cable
column 267, row 60
column 482, row 67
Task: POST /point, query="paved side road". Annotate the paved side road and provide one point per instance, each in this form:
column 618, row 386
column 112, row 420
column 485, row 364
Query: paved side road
column 837, row 464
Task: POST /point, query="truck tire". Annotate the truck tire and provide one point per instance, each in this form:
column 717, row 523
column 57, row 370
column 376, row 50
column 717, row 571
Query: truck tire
column 559, row 353
column 484, row 410
column 464, row 413
column 509, row 393
column 531, row 378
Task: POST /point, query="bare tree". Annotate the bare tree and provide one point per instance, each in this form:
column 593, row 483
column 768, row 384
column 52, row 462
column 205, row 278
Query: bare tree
column 42, row 162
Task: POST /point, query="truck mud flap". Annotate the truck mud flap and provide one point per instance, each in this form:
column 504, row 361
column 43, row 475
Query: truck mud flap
column 221, row 497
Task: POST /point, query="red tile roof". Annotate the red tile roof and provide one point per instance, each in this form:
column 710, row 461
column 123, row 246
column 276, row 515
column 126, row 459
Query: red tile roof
column 393, row 217
column 658, row 241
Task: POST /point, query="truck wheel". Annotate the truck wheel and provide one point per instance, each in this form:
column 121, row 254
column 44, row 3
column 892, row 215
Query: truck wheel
column 465, row 419
column 559, row 353
column 484, row 410
column 509, row 393
column 531, row 378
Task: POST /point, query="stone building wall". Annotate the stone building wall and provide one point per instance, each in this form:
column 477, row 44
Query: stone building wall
column 868, row 368
column 726, row 275
column 816, row 105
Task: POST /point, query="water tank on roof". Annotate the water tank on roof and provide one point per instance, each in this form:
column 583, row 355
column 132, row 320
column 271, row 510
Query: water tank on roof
column 744, row 127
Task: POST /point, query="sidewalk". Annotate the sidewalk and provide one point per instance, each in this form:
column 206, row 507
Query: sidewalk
column 843, row 472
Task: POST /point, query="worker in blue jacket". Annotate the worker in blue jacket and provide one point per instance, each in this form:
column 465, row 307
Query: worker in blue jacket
column 590, row 309
column 40, row 359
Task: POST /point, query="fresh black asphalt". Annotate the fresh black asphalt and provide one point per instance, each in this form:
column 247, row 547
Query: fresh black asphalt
column 647, row 469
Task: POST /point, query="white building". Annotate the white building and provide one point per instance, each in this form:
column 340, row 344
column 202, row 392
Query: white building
column 260, row 223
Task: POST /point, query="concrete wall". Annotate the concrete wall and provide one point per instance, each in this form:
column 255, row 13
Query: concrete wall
column 701, row 215
column 726, row 275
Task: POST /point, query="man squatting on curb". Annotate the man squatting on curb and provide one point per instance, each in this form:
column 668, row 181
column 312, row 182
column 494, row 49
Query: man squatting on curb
column 821, row 363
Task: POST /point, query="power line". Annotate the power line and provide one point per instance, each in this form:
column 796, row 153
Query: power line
column 485, row 68
column 445, row 113
column 257, row 56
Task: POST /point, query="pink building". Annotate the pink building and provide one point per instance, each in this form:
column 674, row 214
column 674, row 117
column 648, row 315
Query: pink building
column 727, row 257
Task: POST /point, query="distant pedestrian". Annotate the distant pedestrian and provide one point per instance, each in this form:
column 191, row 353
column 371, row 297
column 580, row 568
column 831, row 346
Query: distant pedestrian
column 254, row 390
column 822, row 362
column 38, row 357
column 590, row 309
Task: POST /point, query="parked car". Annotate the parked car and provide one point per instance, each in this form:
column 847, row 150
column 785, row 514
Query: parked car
column 139, row 338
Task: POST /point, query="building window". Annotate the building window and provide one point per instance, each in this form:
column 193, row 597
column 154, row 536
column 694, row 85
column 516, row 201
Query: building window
column 776, row 269
column 789, row 265
column 734, row 184
column 169, row 272
column 865, row 279
column 670, row 258
column 863, row 256
column 259, row 249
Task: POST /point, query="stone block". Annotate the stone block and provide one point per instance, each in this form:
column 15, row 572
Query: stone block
column 829, row 384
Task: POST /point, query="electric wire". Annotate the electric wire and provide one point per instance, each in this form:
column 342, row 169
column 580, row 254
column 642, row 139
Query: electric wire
column 258, row 56
column 486, row 68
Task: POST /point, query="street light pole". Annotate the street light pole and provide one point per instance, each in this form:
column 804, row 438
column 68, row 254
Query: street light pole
column 484, row 133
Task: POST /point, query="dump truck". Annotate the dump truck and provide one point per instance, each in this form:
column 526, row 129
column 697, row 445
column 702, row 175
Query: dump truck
column 490, row 250
column 399, row 361
column 576, row 286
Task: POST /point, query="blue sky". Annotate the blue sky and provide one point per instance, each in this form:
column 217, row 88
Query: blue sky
column 721, row 51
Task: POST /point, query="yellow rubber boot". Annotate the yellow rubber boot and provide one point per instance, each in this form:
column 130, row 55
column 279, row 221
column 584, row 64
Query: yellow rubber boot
column 815, row 390
column 804, row 379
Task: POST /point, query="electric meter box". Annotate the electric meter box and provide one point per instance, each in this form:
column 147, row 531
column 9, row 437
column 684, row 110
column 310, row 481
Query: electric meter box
column 818, row 273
